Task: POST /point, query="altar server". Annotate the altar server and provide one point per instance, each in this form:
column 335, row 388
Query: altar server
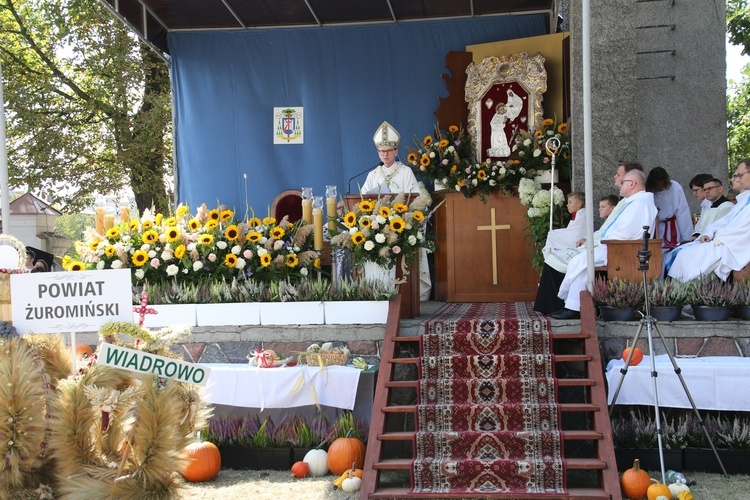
column 675, row 221
column 724, row 246
column 568, row 237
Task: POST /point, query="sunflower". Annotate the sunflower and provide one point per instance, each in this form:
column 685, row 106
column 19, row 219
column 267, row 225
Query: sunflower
column 400, row 207
column 253, row 222
column 194, row 224
column 427, row 141
column 109, row 250
column 133, row 226
column 443, row 143
column 316, row 263
column 172, row 234
column 93, row 245
column 547, row 122
column 424, row 160
column 453, row 129
column 350, row 219
column 291, row 261
column 76, row 266
column 225, row 215
column 232, row 233
column 454, row 169
column 206, row 239
column 481, row 175
column 150, row 236
column 365, row 222
column 170, row 221
column 269, row 221
column 147, row 224
column 139, row 258
column 254, row 236
column 538, row 133
column 230, row 260
column 182, row 210
column 411, row 158
column 278, row 232
column 265, row 260
column 213, row 214
column 384, row 211
column 179, row 252
column 398, row 224
column 366, row 206
column 562, row 128
column 418, row 216
column 212, row 224
column 358, row 238
column 113, row 232
column 66, row 260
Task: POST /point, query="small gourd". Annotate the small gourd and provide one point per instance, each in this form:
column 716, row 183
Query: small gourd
column 635, row 481
column 300, row 469
column 357, row 472
column 317, row 460
column 684, row 495
column 352, row 483
column 677, row 487
column 662, row 497
column 657, row 490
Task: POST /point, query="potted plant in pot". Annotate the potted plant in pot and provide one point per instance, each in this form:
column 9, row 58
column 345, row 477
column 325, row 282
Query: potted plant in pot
column 743, row 298
column 618, row 300
column 667, row 298
column 731, row 439
column 712, row 299
column 635, row 437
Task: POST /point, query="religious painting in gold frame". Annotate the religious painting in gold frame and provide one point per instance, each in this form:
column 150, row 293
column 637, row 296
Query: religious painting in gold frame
column 504, row 95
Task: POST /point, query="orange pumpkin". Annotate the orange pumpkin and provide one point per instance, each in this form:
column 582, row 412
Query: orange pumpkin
column 83, row 351
column 635, row 481
column 300, row 469
column 656, row 489
column 204, row 462
column 637, row 355
column 343, row 452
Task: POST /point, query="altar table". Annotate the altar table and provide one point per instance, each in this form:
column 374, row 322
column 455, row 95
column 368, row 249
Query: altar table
column 714, row 382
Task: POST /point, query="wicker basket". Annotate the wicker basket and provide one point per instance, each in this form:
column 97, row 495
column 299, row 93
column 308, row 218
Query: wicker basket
column 326, row 358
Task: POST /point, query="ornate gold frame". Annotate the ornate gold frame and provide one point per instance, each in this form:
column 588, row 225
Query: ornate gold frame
column 522, row 69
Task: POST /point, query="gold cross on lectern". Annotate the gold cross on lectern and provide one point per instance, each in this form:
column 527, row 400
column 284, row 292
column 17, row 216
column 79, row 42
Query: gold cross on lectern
column 494, row 228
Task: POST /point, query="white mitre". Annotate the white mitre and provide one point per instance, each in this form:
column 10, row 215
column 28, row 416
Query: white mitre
column 386, row 135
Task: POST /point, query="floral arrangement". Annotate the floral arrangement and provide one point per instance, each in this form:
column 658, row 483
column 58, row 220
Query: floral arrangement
column 381, row 230
column 537, row 199
column 440, row 156
column 187, row 248
column 711, row 291
column 617, row 293
column 529, row 148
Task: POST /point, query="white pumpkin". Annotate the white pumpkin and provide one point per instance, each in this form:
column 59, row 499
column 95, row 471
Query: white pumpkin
column 677, row 487
column 317, row 460
column 351, row 484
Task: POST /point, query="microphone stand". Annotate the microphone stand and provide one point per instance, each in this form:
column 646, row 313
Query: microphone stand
column 349, row 182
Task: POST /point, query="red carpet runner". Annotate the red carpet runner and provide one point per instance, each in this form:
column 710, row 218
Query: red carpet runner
column 487, row 417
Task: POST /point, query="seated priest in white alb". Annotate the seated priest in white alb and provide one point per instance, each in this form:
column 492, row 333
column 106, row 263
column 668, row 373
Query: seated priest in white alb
column 568, row 237
column 626, row 222
column 724, row 246
column 720, row 206
column 392, row 176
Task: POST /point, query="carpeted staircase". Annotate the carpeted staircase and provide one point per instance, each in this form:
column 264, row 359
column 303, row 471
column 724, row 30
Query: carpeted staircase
column 483, row 420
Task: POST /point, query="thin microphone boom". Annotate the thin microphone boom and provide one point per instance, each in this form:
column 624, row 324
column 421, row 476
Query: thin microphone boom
column 349, row 182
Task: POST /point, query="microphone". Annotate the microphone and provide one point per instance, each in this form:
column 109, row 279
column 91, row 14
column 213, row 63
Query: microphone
column 349, row 182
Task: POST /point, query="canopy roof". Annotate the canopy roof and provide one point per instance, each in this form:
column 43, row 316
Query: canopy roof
column 153, row 20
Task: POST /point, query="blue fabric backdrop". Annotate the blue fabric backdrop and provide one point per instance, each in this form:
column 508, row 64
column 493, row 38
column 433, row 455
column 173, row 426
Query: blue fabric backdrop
column 348, row 79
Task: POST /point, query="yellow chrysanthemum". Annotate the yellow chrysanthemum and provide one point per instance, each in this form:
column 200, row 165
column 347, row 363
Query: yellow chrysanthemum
column 268, row 221
column 424, row 160
column 194, row 224
column 397, row 224
column 562, row 128
column 170, row 221
column 291, row 261
column 427, row 141
column 230, row 260
column 253, row 222
column 113, row 232
column 350, row 219
column 400, row 207
column 179, row 252
column 418, row 216
column 384, row 211
column 213, row 214
column 109, row 250
column 547, row 122
column 481, row 175
column 150, row 236
column 157, row 219
column 206, row 239
column 212, row 224
column 232, row 233
column 139, row 258
column 225, row 215
column 265, row 260
column 278, row 233
column 453, row 129
column 366, row 206
column 147, row 224
column 358, row 238
column 254, row 236
column 182, row 210
column 411, row 158
column 172, row 234
column 365, row 222
column 134, row 224
column 443, row 143
column 76, row 266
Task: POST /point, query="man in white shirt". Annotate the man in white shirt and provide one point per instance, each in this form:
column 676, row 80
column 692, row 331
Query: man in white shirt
column 724, row 246
column 720, row 206
column 391, row 176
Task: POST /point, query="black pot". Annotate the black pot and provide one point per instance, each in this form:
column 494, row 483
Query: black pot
column 648, row 457
column 703, row 459
column 711, row 313
column 298, row 454
column 666, row 313
column 234, row 457
column 608, row 313
column 745, row 312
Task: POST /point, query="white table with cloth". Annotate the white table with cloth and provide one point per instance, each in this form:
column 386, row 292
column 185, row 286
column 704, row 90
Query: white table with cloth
column 714, row 382
column 244, row 386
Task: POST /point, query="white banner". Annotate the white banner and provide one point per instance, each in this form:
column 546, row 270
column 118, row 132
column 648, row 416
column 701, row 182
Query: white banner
column 79, row 301
column 145, row 362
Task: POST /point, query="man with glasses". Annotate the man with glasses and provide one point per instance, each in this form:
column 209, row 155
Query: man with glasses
column 723, row 246
column 390, row 176
column 720, row 206
column 696, row 186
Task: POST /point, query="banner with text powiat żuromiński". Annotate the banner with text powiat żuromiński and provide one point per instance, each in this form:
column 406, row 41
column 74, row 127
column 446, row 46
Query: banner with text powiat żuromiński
column 61, row 302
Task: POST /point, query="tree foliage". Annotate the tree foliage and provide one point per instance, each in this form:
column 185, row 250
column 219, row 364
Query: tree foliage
column 738, row 93
column 88, row 108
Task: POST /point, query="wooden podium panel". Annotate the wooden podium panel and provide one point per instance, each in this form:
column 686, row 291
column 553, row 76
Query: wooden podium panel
column 482, row 253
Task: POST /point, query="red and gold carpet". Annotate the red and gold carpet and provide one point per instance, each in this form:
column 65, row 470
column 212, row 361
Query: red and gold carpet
column 487, row 419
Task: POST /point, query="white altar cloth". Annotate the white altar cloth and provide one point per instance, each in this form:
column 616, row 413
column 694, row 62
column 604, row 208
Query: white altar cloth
column 714, row 382
column 252, row 387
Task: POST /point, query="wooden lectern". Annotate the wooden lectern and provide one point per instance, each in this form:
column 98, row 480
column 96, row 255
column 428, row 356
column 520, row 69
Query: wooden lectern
column 410, row 297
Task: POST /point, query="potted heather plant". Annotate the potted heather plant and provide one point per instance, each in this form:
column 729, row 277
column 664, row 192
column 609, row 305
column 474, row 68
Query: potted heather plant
column 667, row 298
column 743, row 298
column 634, row 436
column 712, row 298
column 618, row 300
column 731, row 437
